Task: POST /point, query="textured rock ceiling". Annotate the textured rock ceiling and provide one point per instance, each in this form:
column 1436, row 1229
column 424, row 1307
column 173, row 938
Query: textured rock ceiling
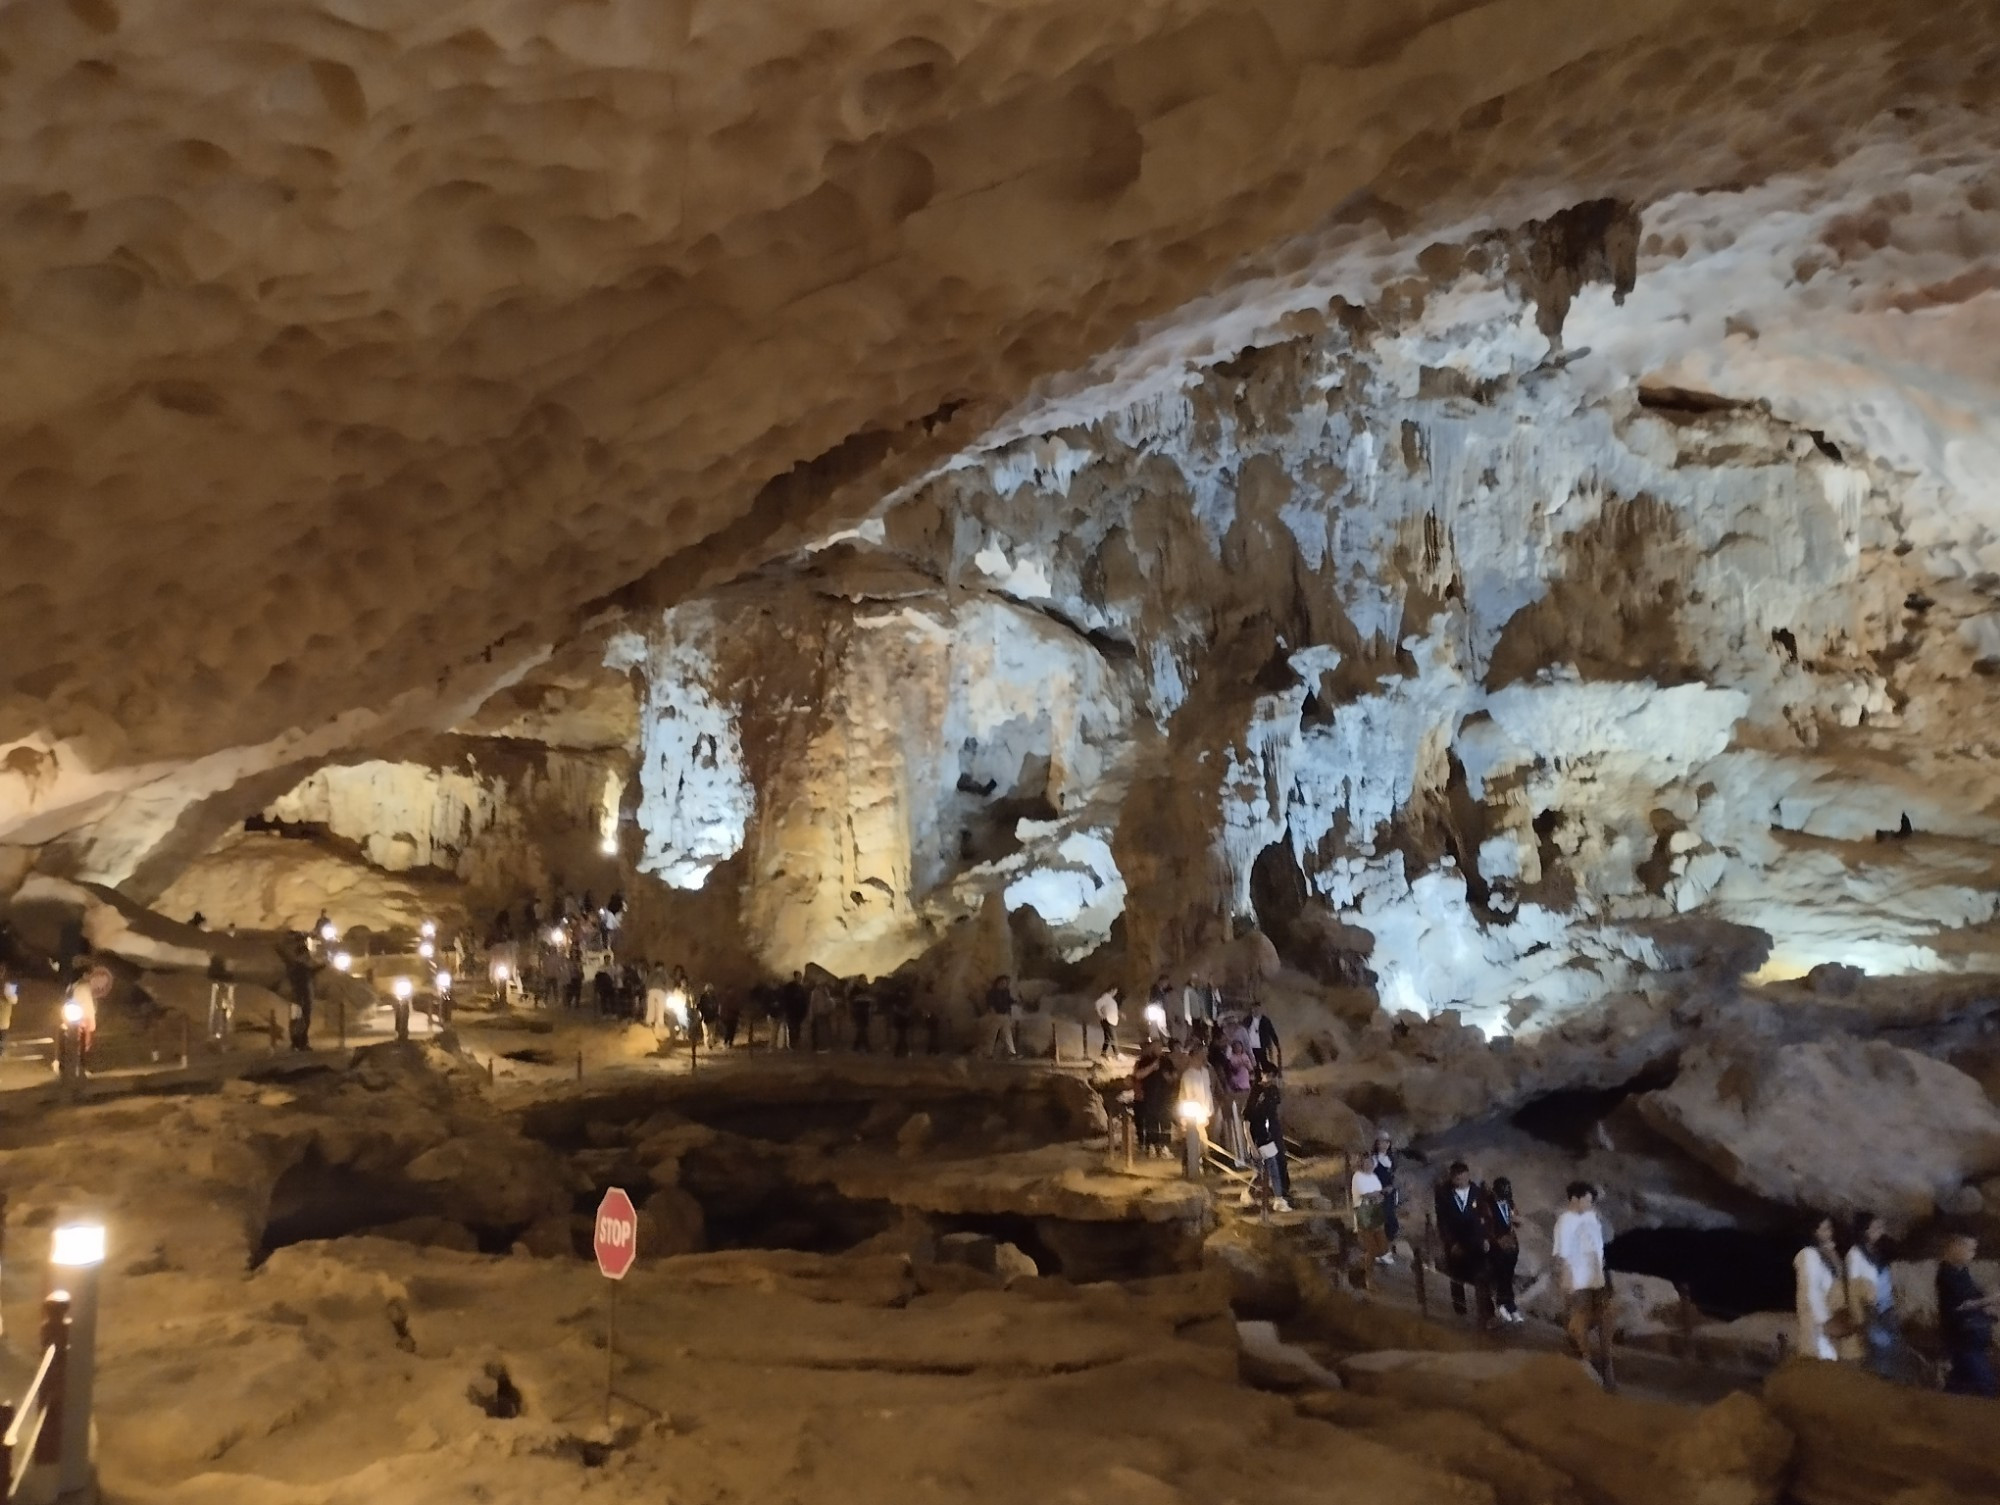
column 343, row 343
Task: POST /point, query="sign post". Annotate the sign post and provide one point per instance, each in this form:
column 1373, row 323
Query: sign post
column 615, row 1241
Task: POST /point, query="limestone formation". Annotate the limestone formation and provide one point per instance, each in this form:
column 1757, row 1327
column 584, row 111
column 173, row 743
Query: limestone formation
column 1833, row 1126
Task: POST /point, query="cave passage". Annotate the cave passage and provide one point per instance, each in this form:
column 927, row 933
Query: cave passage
column 1729, row 1272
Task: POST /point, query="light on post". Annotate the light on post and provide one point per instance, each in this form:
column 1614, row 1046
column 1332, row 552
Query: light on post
column 77, row 1244
column 428, row 930
column 329, row 932
column 72, row 1014
column 342, row 961
column 444, row 982
column 426, row 950
column 500, row 973
column 610, row 845
column 402, row 987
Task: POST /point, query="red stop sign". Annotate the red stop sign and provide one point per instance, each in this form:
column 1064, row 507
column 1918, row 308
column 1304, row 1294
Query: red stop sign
column 616, row 1236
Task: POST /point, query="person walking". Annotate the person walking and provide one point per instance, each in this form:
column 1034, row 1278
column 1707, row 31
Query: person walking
column 902, row 1013
column 1267, row 1132
column 1815, row 1275
column 1461, row 1226
column 221, row 1000
column 1239, row 1070
column 1503, row 1247
column 656, row 1000
column 299, row 969
column 1383, row 1159
column 787, row 1025
column 1965, row 1320
column 1000, row 1011
column 1871, row 1300
column 1107, row 1021
column 860, row 1008
column 1365, row 1195
column 729, row 1016
column 708, row 1015
column 1582, row 1278
column 1264, row 1040
column 1195, row 1106
column 1155, row 1013
column 1157, row 1079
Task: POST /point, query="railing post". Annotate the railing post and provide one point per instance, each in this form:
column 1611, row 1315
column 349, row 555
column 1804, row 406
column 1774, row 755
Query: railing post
column 55, row 1336
column 1423, row 1289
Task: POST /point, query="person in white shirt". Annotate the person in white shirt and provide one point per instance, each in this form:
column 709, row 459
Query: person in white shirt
column 1369, row 1200
column 1579, row 1262
column 1107, row 1021
column 1817, row 1273
column 1871, row 1297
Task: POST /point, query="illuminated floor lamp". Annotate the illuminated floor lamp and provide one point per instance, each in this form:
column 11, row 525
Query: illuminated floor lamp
column 76, row 1257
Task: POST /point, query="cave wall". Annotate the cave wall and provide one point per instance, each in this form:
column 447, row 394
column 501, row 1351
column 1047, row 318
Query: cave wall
column 1516, row 665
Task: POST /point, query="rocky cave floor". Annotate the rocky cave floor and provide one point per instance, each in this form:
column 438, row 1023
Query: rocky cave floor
column 859, row 1279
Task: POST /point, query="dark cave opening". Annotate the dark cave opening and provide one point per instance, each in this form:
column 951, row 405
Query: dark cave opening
column 1569, row 1119
column 1729, row 1272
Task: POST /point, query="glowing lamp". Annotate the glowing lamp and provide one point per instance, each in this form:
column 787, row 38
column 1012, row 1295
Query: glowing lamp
column 72, row 1013
column 328, row 931
column 500, row 972
column 428, row 929
column 402, row 987
column 1191, row 1112
column 426, row 950
column 556, row 936
column 342, row 961
column 444, row 982
column 610, row 846
column 77, row 1244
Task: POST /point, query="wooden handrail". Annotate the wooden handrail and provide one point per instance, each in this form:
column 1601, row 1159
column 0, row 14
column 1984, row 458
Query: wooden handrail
column 31, row 1427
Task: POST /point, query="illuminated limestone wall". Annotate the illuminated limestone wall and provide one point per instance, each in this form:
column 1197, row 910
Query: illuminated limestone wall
column 880, row 764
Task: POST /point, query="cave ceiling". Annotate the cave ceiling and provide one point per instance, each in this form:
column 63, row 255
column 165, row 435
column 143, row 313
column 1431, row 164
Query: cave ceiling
column 353, row 356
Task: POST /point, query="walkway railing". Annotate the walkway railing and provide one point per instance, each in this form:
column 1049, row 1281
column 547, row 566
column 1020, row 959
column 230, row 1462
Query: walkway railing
column 31, row 1427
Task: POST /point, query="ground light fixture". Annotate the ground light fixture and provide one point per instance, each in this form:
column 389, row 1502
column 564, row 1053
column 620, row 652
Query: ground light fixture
column 77, row 1244
column 444, row 982
column 328, row 931
column 556, row 936
column 426, row 950
column 72, row 1014
column 500, row 973
column 428, row 930
column 610, row 846
column 402, row 987
column 342, row 961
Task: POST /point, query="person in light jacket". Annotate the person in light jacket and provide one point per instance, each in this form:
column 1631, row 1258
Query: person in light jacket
column 1871, row 1300
column 1816, row 1275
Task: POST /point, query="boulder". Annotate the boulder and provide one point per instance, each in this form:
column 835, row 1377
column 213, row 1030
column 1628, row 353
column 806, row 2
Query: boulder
column 1863, row 1441
column 671, row 1222
column 1012, row 1263
column 1760, row 1115
column 914, row 1135
column 493, row 1180
column 1257, row 1261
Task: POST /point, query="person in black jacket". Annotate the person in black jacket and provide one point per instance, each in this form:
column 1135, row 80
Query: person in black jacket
column 1461, row 1226
column 1503, row 1244
column 1267, row 1134
column 1965, row 1319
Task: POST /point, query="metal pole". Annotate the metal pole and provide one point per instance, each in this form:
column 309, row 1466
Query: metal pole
column 7, row 1414
column 80, row 1376
column 610, row 1351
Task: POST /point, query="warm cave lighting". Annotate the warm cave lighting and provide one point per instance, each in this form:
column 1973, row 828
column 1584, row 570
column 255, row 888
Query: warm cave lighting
column 1191, row 1112
column 402, row 987
column 426, row 950
column 342, row 961
column 500, row 973
column 77, row 1244
column 428, row 930
column 328, row 931
column 72, row 1013
column 556, row 936
column 610, row 846
column 444, row 982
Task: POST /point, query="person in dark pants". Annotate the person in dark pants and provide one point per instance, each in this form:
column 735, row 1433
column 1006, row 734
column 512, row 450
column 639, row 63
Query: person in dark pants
column 1264, row 1040
column 299, row 970
column 1267, row 1134
column 901, row 1016
column 1965, row 1320
column 1503, row 1244
column 730, row 1017
column 860, row 1007
column 1153, row 1084
column 1382, row 1161
column 1461, row 1226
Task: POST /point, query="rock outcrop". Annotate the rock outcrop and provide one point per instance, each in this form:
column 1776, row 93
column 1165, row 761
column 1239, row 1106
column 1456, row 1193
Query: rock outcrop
column 1832, row 1126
